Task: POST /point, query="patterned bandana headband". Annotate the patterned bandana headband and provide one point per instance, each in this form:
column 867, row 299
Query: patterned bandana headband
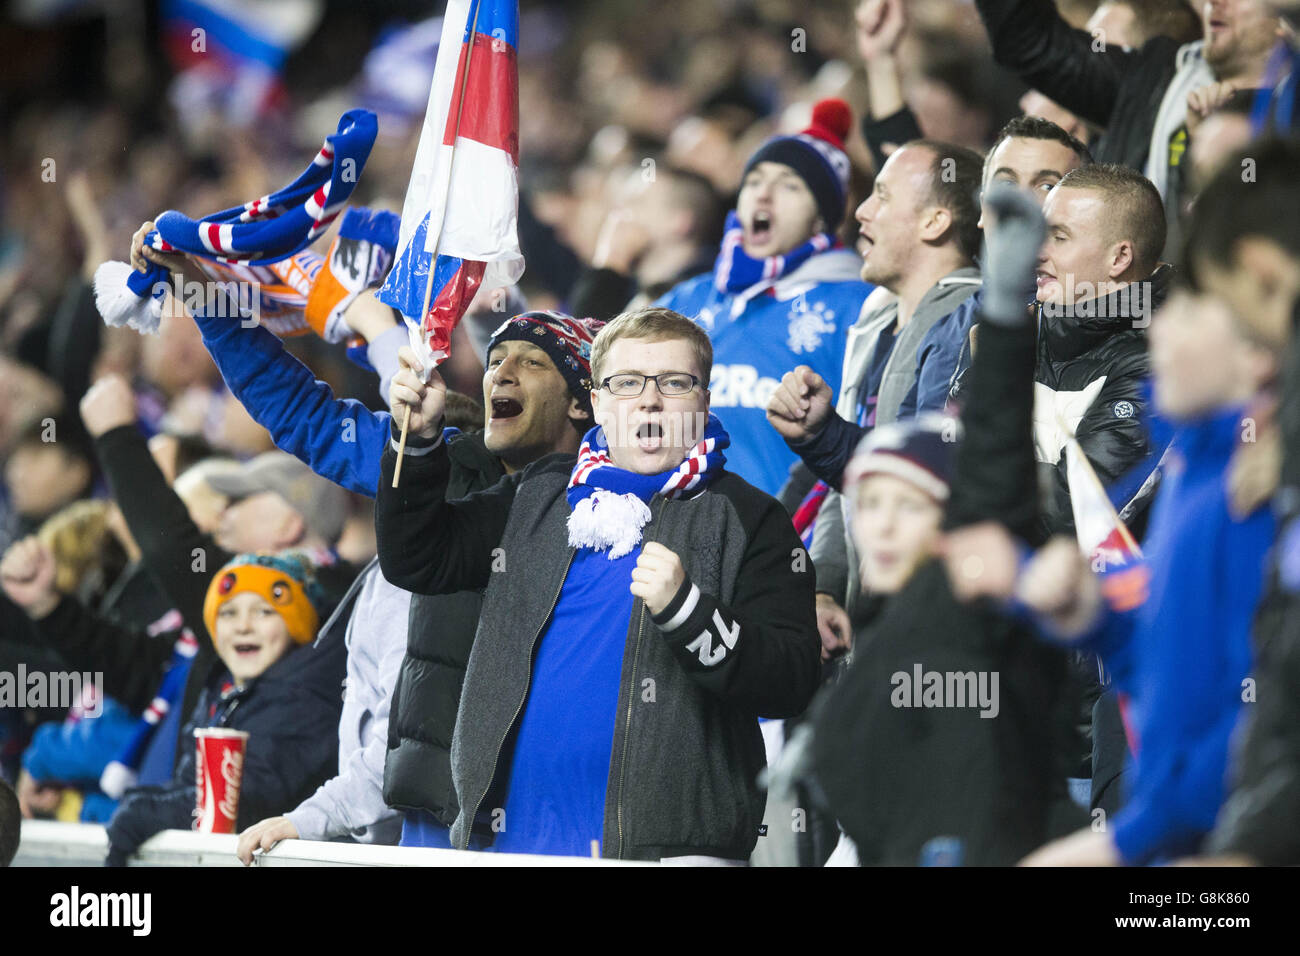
column 610, row 503
column 265, row 231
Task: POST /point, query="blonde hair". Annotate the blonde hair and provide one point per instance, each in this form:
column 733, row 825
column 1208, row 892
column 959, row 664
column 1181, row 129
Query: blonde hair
column 657, row 325
column 76, row 536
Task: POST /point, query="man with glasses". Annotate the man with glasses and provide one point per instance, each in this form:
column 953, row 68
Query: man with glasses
column 643, row 608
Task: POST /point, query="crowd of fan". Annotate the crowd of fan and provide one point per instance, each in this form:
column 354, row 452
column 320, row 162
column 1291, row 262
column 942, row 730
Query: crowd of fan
column 976, row 255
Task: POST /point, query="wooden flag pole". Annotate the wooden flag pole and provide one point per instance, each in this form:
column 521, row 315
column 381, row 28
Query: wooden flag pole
column 406, row 419
column 433, row 260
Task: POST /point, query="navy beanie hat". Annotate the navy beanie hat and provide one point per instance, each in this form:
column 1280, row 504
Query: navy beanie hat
column 921, row 452
column 817, row 155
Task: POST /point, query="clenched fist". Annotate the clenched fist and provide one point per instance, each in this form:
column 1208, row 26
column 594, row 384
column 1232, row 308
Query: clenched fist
column 834, row 626
column 141, row 255
column 108, row 404
column 800, row 405
column 410, row 391
column 27, row 576
column 657, row 576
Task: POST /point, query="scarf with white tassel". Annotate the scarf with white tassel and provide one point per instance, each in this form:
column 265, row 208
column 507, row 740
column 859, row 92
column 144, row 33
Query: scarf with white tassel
column 610, row 504
column 267, row 230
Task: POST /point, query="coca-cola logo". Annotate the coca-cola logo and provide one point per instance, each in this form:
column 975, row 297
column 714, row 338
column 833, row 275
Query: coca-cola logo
column 232, row 769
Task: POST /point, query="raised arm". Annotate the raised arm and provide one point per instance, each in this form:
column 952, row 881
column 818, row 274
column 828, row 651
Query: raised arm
column 1031, row 39
column 180, row 557
column 339, row 438
column 428, row 545
column 996, row 476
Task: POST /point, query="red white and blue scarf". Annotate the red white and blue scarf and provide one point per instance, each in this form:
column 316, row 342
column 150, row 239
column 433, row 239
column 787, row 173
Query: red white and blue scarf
column 266, row 230
column 610, row 503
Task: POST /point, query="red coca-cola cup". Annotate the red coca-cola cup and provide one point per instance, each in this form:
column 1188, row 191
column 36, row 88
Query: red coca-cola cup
column 218, row 771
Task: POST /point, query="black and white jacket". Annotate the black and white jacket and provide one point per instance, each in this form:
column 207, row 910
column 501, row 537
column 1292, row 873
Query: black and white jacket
column 1092, row 379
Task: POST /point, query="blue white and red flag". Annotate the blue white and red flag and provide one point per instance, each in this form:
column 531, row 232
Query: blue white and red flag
column 460, row 219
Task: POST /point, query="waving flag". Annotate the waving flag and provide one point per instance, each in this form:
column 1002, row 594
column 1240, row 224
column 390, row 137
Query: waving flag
column 1103, row 536
column 462, row 203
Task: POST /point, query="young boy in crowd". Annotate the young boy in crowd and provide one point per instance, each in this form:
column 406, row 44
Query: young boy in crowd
column 971, row 780
column 260, row 609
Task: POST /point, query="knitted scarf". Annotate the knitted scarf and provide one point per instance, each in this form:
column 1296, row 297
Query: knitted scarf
column 735, row 271
column 610, row 503
column 806, row 515
column 265, row 231
column 121, row 773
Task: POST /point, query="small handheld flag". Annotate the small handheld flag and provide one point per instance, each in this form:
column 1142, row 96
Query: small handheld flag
column 1103, row 536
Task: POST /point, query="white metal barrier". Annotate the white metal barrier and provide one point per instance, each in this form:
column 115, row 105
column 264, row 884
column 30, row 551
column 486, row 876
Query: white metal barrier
column 47, row 843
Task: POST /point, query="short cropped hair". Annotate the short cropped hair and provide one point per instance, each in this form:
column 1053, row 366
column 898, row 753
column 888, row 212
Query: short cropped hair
column 657, row 325
column 1035, row 127
column 955, row 185
column 1139, row 211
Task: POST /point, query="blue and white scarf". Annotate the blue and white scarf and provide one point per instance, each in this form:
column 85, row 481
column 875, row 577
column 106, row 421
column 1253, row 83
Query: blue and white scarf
column 610, row 503
column 735, row 271
column 122, row 772
column 264, row 231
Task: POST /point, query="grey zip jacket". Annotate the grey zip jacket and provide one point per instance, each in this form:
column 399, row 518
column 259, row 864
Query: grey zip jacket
column 738, row 641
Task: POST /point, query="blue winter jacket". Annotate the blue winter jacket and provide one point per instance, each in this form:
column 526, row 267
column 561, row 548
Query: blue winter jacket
column 802, row 320
column 75, row 752
column 1185, row 655
column 942, row 356
column 340, row 438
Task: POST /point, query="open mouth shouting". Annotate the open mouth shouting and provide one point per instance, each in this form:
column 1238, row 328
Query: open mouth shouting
column 504, row 408
column 246, row 649
column 649, row 436
column 760, row 229
column 866, row 243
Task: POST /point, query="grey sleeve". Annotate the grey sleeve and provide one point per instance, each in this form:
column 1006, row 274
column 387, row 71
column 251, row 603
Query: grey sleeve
column 829, row 552
column 382, row 353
